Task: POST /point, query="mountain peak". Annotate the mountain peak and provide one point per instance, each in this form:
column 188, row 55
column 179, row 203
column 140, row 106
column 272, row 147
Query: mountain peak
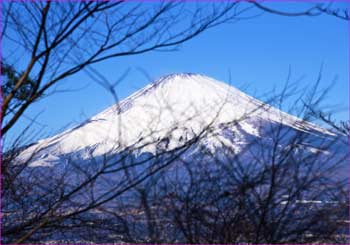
column 172, row 83
column 176, row 78
column 182, row 75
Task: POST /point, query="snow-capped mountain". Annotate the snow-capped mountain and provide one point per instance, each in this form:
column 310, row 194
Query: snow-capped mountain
column 184, row 142
column 168, row 112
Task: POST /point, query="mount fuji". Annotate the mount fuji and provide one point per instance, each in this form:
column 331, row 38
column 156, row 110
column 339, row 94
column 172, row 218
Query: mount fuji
column 177, row 109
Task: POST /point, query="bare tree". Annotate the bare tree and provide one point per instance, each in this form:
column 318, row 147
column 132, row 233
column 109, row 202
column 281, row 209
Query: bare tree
column 281, row 187
column 56, row 40
column 51, row 41
column 160, row 197
column 205, row 200
column 286, row 186
column 314, row 10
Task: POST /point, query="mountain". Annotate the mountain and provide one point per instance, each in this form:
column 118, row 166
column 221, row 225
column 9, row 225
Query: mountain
column 170, row 111
column 187, row 149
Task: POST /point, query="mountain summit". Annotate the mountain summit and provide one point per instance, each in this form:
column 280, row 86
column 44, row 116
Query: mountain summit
column 172, row 109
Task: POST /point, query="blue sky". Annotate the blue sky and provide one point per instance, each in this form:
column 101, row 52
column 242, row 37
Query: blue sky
column 257, row 53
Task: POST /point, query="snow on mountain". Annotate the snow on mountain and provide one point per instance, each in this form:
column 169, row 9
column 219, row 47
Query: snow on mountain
column 175, row 107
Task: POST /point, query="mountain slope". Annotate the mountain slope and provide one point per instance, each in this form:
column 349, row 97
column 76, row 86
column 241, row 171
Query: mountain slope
column 174, row 108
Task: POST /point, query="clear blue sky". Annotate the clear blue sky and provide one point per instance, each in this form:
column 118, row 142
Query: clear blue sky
column 257, row 52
